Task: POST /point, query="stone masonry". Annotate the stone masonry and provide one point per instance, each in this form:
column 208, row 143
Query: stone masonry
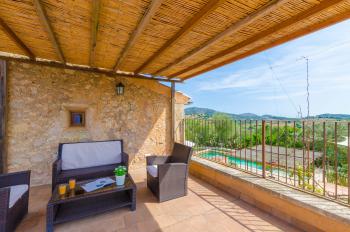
column 40, row 99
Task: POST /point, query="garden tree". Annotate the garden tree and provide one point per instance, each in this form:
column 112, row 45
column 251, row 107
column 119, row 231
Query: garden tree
column 222, row 126
column 223, row 131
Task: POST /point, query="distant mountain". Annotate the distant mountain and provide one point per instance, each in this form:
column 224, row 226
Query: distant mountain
column 268, row 116
column 198, row 110
column 334, row 116
column 207, row 113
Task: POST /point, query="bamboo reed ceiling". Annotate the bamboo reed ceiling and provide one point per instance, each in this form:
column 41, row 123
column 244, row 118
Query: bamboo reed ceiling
column 172, row 38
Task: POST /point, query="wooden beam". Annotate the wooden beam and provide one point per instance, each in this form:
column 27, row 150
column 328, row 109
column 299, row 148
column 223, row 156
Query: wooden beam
column 107, row 72
column 3, row 115
column 264, row 10
column 339, row 18
column 208, row 8
column 96, row 6
column 17, row 40
column 152, row 9
column 295, row 19
column 47, row 25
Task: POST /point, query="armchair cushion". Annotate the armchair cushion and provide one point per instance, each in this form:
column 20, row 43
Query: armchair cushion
column 16, row 192
column 153, row 170
column 92, row 154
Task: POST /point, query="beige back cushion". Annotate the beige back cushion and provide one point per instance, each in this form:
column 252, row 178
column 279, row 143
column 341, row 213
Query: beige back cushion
column 85, row 155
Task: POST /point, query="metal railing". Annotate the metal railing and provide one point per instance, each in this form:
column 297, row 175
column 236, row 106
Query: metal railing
column 310, row 155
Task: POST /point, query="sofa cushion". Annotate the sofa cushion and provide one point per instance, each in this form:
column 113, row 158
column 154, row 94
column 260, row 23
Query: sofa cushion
column 84, row 155
column 152, row 170
column 16, row 192
column 86, row 173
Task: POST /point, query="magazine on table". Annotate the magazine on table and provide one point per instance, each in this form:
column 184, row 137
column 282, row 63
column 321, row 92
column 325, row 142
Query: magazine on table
column 97, row 184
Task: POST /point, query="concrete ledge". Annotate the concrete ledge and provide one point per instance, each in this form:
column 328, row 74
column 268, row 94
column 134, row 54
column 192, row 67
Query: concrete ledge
column 304, row 211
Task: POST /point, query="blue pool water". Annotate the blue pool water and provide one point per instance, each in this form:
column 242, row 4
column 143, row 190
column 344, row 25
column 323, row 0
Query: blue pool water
column 231, row 160
column 240, row 162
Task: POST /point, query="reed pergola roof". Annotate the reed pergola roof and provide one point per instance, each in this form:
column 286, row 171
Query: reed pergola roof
column 176, row 39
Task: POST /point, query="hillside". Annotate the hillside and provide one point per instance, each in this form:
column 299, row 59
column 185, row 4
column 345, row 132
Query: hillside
column 334, row 116
column 207, row 113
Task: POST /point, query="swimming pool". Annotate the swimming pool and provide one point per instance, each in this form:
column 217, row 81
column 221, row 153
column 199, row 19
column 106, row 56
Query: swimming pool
column 239, row 162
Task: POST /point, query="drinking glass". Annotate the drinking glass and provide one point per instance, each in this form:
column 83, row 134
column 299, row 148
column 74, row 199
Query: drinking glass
column 72, row 184
column 62, row 188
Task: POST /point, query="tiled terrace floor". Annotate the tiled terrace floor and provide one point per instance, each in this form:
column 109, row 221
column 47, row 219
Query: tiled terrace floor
column 204, row 209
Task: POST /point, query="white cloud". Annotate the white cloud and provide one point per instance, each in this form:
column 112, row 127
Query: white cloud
column 241, row 80
column 282, row 96
column 328, row 68
column 329, row 71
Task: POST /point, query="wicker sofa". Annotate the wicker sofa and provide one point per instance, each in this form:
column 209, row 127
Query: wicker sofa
column 167, row 175
column 14, row 196
column 87, row 160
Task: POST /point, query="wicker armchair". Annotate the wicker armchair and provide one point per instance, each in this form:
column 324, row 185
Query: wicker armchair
column 84, row 160
column 14, row 196
column 167, row 175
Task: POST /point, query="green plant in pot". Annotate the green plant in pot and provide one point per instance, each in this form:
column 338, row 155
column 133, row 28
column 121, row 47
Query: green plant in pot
column 120, row 173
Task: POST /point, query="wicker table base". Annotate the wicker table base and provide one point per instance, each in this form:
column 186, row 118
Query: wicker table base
column 79, row 204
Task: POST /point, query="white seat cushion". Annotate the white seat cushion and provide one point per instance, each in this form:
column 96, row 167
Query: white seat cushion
column 85, row 155
column 152, row 170
column 16, row 192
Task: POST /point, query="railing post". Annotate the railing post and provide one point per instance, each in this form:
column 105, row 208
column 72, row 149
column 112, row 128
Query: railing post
column 183, row 131
column 263, row 141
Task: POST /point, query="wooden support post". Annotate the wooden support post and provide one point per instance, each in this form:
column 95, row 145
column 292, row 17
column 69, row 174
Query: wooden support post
column 172, row 112
column 263, row 141
column 182, row 131
column 3, row 101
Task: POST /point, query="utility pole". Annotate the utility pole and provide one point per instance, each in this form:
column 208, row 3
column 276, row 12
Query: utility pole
column 300, row 113
column 307, row 86
column 308, row 116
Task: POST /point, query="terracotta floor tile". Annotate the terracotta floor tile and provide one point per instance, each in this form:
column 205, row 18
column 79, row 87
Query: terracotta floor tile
column 204, row 209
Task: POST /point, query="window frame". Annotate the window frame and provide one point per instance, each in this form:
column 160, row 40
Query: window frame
column 71, row 119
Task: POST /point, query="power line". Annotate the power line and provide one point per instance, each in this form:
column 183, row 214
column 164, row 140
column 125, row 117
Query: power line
column 279, row 82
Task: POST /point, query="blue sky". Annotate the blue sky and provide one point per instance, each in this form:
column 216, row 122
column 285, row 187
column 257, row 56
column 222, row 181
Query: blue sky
column 274, row 81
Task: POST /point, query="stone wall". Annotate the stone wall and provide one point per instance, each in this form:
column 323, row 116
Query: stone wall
column 39, row 101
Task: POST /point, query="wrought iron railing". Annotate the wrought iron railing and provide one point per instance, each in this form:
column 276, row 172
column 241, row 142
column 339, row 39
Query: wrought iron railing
column 310, row 155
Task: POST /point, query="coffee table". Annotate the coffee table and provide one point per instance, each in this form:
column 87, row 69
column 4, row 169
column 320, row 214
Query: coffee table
column 78, row 203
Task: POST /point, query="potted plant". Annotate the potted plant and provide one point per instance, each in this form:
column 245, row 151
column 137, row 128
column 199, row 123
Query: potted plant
column 120, row 173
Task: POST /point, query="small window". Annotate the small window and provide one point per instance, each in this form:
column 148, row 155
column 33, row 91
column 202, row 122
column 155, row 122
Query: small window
column 77, row 119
